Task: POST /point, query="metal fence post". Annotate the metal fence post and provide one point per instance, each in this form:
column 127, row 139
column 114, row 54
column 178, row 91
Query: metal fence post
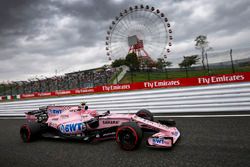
column 131, row 75
column 166, row 72
column 148, row 74
column 232, row 63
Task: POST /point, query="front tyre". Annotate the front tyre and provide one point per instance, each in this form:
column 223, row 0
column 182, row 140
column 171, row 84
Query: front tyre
column 168, row 122
column 146, row 114
column 30, row 131
column 129, row 136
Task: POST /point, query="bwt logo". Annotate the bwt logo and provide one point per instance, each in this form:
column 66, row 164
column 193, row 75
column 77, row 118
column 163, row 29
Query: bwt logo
column 72, row 127
column 55, row 111
column 158, row 141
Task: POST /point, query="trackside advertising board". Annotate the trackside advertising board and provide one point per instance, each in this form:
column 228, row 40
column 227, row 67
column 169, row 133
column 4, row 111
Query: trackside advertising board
column 181, row 82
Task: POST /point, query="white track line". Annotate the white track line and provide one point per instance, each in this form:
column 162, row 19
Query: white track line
column 201, row 116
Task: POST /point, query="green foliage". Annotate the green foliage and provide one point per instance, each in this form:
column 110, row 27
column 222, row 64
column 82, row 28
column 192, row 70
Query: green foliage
column 132, row 61
column 202, row 44
column 118, row 63
column 173, row 74
column 168, row 64
column 188, row 61
column 161, row 64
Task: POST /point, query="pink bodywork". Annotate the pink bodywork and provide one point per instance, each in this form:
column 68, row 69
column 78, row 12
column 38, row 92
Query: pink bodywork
column 60, row 117
column 166, row 136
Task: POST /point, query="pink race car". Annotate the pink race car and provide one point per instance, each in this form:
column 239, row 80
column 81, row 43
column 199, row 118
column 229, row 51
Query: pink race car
column 78, row 122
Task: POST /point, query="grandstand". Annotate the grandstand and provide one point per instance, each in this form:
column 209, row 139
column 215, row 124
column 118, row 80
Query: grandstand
column 68, row 81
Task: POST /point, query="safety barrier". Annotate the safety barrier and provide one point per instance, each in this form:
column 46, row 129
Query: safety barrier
column 210, row 98
column 155, row 84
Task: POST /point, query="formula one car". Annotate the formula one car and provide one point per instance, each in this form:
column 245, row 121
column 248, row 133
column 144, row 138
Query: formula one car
column 78, row 122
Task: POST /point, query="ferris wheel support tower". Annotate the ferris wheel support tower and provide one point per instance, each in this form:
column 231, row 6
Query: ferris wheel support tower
column 136, row 46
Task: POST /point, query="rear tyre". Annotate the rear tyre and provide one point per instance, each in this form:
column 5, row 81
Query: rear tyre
column 146, row 114
column 30, row 131
column 129, row 136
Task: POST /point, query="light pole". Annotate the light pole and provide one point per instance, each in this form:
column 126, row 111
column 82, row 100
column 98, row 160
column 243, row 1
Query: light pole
column 165, row 66
column 232, row 63
column 185, row 63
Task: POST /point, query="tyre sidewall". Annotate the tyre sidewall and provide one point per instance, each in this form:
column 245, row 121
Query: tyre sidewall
column 135, row 130
column 32, row 131
column 146, row 114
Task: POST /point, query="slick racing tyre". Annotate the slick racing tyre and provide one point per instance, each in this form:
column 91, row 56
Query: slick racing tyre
column 171, row 122
column 30, row 131
column 129, row 136
column 143, row 113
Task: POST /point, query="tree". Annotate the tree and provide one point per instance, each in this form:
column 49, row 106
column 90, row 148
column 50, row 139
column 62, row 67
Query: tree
column 188, row 61
column 202, row 44
column 132, row 61
column 168, row 64
column 161, row 64
column 118, row 63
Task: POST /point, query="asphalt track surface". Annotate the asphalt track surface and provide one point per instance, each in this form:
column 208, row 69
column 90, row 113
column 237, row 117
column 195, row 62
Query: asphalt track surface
column 204, row 142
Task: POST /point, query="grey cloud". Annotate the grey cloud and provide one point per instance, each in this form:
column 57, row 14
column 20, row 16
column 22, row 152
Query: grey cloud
column 229, row 18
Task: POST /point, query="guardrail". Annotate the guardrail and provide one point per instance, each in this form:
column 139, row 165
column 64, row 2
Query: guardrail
column 211, row 98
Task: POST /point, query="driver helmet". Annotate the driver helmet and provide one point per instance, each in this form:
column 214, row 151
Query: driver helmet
column 83, row 103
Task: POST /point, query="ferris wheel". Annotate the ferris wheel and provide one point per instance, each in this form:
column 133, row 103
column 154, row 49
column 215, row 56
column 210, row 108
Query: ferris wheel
column 141, row 29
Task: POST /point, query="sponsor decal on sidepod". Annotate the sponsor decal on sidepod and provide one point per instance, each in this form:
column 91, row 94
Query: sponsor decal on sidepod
column 110, row 122
column 54, row 111
column 74, row 127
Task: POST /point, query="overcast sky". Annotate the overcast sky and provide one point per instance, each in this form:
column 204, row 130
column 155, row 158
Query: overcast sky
column 38, row 37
